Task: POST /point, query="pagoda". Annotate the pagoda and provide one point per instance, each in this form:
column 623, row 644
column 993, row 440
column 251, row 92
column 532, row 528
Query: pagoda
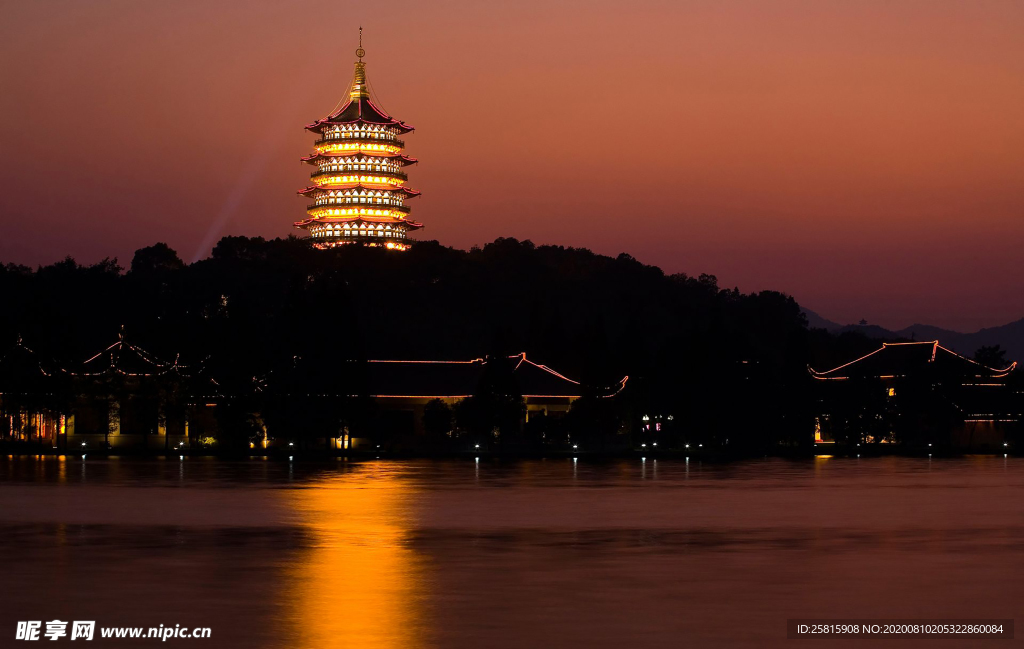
column 357, row 191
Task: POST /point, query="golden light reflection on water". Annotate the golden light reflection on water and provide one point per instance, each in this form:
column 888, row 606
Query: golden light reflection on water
column 360, row 585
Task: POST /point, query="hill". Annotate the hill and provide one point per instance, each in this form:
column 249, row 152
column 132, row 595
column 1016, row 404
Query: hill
column 1009, row 336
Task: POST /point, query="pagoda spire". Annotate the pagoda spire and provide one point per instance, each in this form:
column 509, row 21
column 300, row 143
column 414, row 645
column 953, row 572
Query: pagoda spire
column 359, row 88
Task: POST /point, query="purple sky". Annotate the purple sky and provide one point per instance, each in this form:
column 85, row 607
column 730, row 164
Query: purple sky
column 866, row 157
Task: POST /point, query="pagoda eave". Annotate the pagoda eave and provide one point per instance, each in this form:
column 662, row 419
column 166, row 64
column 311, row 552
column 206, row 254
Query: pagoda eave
column 384, row 220
column 409, row 193
column 398, row 125
column 404, row 159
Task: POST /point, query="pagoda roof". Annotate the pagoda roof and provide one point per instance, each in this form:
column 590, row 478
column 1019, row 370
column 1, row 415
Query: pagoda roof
column 366, row 112
column 404, row 190
column 894, row 360
column 128, row 360
column 406, row 160
column 22, row 371
column 360, row 109
column 410, row 224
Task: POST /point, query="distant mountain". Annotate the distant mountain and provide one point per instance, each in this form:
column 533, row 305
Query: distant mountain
column 1009, row 336
column 815, row 321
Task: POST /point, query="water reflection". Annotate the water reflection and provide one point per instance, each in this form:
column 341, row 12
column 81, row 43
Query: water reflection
column 360, row 585
column 484, row 553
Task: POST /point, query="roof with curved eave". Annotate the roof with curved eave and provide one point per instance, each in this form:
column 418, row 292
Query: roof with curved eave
column 360, row 111
column 128, row 360
column 382, row 220
column 907, row 359
column 22, row 371
column 400, row 157
column 410, row 193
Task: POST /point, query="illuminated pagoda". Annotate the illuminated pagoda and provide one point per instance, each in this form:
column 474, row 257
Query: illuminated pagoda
column 358, row 193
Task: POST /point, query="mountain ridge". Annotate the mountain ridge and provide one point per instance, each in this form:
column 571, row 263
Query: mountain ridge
column 1009, row 336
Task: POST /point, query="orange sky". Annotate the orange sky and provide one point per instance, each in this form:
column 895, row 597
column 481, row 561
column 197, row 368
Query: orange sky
column 866, row 157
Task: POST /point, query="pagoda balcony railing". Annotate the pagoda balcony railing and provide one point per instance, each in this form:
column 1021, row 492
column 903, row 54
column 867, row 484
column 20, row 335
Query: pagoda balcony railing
column 375, row 206
column 401, row 175
column 362, row 139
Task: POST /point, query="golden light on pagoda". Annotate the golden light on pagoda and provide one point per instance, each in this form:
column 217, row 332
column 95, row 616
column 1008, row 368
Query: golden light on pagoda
column 358, row 186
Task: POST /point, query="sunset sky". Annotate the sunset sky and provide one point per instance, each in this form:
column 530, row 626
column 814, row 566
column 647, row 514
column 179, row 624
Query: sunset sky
column 866, row 157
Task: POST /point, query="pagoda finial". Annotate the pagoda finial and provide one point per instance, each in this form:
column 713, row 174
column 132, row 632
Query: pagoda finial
column 359, row 89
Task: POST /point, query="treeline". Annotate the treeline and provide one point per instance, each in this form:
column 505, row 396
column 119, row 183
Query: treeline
column 727, row 367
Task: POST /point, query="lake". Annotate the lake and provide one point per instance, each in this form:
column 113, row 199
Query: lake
column 494, row 554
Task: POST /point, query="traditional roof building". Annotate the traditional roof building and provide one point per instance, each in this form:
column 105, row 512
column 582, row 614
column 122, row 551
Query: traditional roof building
column 125, row 398
column 902, row 360
column 409, row 385
column 460, row 379
column 125, row 359
column 917, row 393
column 23, row 372
column 33, row 396
column 357, row 191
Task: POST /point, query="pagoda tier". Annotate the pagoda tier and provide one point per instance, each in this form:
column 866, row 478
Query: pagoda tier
column 357, row 189
column 359, row 114
column 357, row 158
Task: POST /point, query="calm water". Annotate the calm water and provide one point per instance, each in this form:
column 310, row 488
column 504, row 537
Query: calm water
column 551, row 553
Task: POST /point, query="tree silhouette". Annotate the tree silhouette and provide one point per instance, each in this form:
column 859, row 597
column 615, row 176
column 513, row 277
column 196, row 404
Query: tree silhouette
column 991, row 355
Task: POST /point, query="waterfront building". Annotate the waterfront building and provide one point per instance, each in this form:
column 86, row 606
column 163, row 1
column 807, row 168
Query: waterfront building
column 33, row 398
column 121, row 398
column 125, row 398
column 408, row 386
column 358, row 190
column 919, row 394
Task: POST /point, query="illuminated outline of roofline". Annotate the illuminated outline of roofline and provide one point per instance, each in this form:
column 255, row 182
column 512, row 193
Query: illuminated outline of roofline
column 377, row 187
column 311, row 159
column 20, row 343
column 521, row 356
column 996, row 373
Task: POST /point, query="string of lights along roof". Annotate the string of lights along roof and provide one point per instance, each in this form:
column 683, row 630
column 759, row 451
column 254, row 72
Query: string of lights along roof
column 358, row 184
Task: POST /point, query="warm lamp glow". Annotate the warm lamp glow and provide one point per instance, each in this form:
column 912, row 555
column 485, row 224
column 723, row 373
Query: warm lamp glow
column 367, row 199
column 330, row 147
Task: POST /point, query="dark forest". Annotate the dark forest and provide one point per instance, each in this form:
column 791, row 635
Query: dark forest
column 729, row 368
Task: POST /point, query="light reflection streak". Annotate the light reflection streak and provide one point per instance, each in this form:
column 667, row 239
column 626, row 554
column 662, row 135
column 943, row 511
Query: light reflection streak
column 360, row 585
